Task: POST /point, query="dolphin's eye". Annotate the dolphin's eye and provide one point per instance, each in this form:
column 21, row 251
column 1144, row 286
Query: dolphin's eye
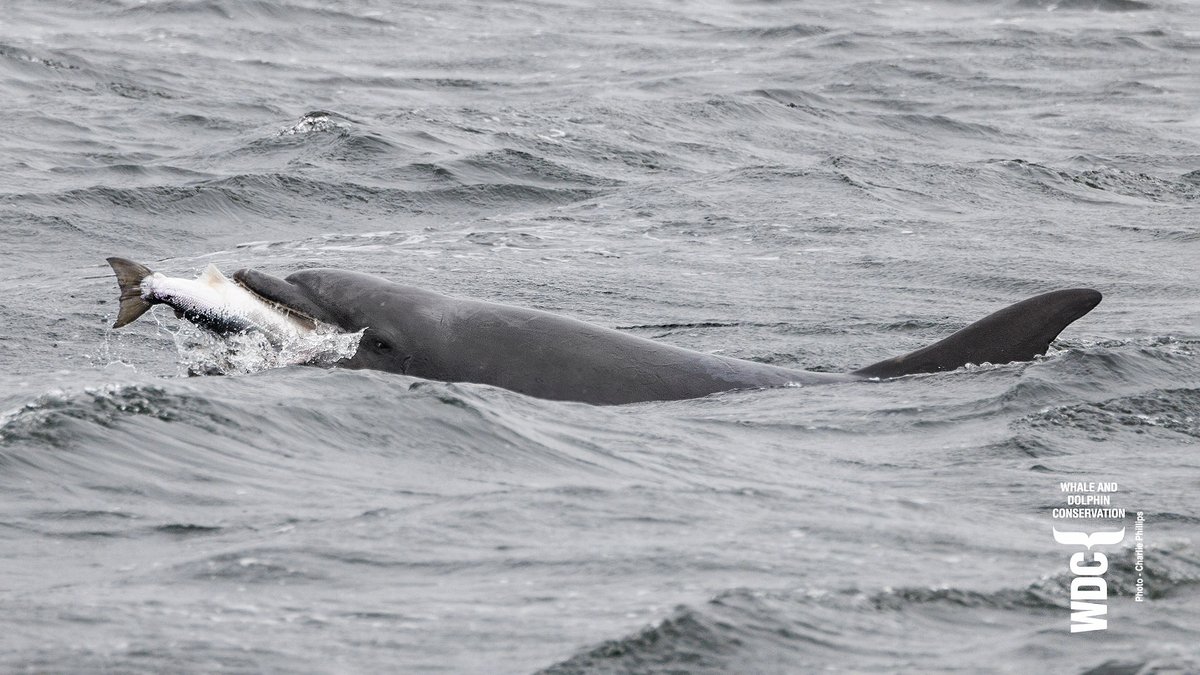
column 382, row 346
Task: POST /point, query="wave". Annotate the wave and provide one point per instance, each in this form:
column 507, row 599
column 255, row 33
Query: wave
column 1087, row 5
column 1099, row 184
column 249, row 10
column 1163, row 412
column 265, row 195
column 941, row 126
column 903, row 629
column 271, row 429
column 932, row 189
column 788, row 32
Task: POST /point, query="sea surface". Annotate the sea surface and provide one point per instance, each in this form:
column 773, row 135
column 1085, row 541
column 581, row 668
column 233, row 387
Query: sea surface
column 819, row 185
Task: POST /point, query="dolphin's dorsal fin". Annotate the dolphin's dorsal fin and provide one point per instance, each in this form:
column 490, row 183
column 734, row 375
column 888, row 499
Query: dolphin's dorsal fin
column 1016, row 333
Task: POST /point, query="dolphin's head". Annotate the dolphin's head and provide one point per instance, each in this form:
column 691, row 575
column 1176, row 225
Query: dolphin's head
column 351, row 301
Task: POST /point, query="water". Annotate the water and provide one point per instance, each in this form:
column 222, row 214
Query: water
column 815, row 185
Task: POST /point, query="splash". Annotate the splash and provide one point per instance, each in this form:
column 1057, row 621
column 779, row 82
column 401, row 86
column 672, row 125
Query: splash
column 203, row 353
column 316, row 121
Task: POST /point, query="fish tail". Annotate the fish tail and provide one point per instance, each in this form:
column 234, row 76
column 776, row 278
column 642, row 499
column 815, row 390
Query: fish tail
column 129, row 278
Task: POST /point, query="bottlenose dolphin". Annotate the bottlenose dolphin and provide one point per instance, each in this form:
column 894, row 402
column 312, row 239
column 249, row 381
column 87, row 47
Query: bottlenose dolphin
column 419, row 332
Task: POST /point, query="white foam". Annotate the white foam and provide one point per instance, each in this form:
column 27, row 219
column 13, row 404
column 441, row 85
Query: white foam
column 202, row 353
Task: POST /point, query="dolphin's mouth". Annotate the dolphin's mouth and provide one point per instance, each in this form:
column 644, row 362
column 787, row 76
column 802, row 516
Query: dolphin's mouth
column 282, row 295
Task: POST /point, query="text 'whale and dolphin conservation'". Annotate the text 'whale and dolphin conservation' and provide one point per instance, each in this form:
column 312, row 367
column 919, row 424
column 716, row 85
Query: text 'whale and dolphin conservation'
column 413, row 331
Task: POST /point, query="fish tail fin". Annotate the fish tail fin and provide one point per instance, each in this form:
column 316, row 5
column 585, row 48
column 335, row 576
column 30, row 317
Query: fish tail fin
column 1016, row 333
column 129, row 278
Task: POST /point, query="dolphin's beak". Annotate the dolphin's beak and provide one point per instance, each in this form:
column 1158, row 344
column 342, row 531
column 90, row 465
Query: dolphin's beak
column 281, row 292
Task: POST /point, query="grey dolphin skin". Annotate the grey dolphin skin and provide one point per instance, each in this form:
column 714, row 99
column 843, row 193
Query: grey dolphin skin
column 418, row 332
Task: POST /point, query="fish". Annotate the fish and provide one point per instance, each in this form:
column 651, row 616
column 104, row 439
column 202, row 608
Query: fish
column 211, row 301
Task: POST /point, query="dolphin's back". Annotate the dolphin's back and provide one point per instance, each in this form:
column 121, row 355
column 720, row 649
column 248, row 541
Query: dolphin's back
column 557, row 357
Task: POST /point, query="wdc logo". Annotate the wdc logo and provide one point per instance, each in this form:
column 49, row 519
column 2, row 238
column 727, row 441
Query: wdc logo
column 1089, row 590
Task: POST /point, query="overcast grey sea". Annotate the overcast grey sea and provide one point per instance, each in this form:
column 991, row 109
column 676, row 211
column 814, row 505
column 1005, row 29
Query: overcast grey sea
column 819, row 185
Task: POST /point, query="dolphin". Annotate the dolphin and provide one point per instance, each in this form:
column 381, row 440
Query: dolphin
column 419, row 332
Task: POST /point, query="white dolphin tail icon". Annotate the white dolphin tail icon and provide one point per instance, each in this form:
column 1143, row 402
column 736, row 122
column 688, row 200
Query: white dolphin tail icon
column 1089, row 540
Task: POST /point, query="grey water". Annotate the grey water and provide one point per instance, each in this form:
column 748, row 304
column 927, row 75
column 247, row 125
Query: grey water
column 819, row 185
